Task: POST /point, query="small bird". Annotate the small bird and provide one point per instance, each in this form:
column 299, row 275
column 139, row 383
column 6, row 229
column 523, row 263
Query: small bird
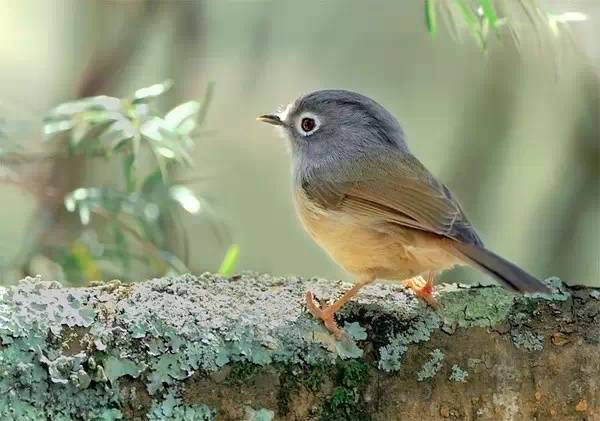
column 379, row 213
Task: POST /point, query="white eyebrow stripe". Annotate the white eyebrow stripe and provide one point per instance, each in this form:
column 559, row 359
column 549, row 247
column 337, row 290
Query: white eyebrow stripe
column 283, row 115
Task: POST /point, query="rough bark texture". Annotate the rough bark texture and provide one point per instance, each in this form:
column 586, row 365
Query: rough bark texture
column 205, row 348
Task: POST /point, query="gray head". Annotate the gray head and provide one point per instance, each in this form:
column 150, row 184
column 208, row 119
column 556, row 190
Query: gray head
column 331, row 125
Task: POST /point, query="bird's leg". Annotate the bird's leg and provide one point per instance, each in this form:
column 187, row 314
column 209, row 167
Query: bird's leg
column 327, row 313
column 423, row 289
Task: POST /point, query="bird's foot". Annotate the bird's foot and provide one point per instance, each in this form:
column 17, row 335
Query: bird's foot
column 423, row 289
column 325, row 314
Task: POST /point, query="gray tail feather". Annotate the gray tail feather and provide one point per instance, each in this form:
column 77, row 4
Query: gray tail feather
column 509, row 275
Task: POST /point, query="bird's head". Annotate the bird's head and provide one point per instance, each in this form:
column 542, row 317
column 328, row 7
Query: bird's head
column 329, row 125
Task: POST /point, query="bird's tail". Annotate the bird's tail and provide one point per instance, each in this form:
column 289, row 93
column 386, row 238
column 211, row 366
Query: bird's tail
column 509, row 275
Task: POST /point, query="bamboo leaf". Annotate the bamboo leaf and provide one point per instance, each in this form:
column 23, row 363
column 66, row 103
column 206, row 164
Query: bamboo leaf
column 489, row 11
column 229, row 261
column 430, row 17
column 470, row 19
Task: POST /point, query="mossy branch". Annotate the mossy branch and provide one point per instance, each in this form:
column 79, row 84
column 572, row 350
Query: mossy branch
column 244, row 348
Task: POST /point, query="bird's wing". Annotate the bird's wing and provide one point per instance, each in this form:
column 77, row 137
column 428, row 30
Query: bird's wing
column 394, row 189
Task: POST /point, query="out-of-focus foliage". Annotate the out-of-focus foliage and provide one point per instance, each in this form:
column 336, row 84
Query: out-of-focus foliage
column 483, row 18
column 124, row 226
column 102, row 126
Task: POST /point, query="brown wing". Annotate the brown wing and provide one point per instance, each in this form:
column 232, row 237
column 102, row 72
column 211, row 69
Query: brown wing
column 395, row 189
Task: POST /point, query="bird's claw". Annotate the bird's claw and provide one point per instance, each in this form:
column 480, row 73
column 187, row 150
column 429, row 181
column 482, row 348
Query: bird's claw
column 423, row 290
column 325, row 314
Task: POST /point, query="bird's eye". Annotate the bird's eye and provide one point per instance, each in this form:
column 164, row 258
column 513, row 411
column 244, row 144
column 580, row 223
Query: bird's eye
column 308, row 124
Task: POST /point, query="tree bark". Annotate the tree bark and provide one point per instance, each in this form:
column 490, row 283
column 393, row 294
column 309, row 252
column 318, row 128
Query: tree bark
column 194, row 348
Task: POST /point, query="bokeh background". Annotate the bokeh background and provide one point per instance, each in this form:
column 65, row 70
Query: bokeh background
column 512, row 129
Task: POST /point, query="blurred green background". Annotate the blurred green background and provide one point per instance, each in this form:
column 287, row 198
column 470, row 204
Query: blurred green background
column 513, row 129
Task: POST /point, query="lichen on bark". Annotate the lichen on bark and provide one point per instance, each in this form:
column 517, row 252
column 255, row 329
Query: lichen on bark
column 208, row 347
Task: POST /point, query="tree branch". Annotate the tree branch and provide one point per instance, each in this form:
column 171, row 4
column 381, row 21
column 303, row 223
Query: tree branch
column 245, row 348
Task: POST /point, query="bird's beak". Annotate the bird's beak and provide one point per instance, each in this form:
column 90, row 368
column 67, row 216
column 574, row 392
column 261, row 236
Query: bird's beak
column 271, row 119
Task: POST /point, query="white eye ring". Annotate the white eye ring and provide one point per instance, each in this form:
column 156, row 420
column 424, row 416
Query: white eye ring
column 304, row 123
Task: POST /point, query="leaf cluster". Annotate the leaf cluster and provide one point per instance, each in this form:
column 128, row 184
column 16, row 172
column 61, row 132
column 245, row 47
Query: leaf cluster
column 481, row 18
column 129, row 227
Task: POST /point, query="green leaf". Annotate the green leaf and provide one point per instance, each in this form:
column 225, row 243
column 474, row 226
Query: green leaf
column 489, row 12
column 470, row 19
column 140, row 214
column 152, row 91
column 103, row 102
column 99, row 116
column 181, row 114
column 467, row 13
column 164, row 143
column 430, row 17
column 53, row 127
column 165, row 152
column 177, row 144
column 229, row 261
column 98, row 103
column 67, row 109
column 78, row 133
column 92, row 132
column 186, row 198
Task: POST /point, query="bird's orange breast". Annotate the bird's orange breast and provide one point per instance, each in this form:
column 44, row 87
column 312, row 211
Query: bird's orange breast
column 373, row 249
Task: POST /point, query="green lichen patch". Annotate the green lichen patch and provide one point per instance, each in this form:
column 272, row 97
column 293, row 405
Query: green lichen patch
column 525, row 338
column 262, row 414
column 409, row 332
column 172, row 408
column 390, row 356
column 43, row 305
column 481, row 306
column 558, row 288
column 432, row 366
column 458, row 375
column 115, row 368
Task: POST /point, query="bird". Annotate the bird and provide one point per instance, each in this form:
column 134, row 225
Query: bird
column 373, row 206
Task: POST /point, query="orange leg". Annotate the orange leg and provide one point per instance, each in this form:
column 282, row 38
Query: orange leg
column 423, row 289
column 327, row 313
